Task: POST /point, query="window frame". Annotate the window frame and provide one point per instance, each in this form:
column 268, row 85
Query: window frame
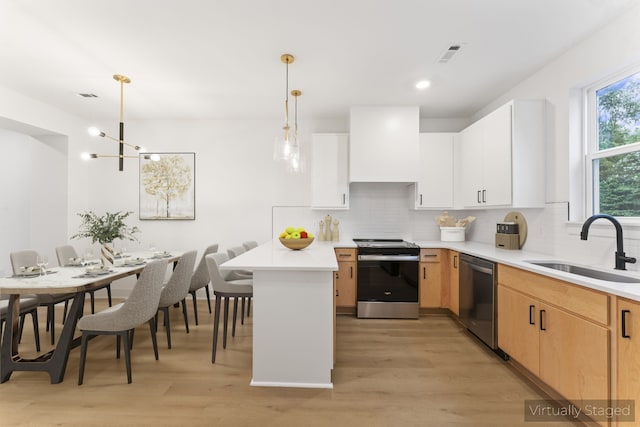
column 590, row 147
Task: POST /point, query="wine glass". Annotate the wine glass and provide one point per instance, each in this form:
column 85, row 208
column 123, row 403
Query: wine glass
column 42, row 261
column 88, row 255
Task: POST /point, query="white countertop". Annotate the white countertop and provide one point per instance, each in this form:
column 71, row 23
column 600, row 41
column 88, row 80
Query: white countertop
column 318, row 256
column 518, row 258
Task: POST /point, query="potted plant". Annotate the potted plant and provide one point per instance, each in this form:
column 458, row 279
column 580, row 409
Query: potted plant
column 105, row 229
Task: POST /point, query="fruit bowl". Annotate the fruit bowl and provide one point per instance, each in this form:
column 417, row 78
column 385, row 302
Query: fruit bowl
column 296, row 244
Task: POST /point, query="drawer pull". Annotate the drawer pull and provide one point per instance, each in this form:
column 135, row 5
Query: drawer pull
column 344, row 255
column 623, row 319
column 531, row 320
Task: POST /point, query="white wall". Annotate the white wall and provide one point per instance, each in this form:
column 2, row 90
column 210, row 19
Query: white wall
column 33, row 208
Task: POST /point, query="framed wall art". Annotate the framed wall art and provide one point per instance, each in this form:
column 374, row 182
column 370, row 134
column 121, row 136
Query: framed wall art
column 167, row 186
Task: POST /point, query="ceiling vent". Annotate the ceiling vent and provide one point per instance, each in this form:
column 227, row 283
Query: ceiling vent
column 88, row 95
column 448, row 54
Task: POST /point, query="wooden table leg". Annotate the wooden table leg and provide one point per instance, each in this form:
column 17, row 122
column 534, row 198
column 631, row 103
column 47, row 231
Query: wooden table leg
column 53, row 362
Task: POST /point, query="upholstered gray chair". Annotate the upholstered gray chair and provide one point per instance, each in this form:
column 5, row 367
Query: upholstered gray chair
column 225, row 289
column 28, row 305
column 239, row 275
column 65, row 254
column 176, row 290
column 141, row 306
column 200, row 279
column 250, row 244
column 28, row 258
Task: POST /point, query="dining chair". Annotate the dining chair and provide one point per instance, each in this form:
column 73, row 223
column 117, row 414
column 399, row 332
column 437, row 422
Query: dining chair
column 233, row 252
column 65, row 254
column 141, row 306
column 28, row 258
column 200, row 279
column 250, row 244
column 223, row 289
column 28, row 305
column 176, row 291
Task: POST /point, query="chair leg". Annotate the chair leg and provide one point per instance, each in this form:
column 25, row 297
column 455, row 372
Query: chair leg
column 93, row 301
column 127, row 354
column 235, row 314
column 154, row 340
column 36, row 328
column 109, row 293
column 52, row 318
column 216, row 321
column 83, row 357
column 249, row 307
column 242, row 311
column 206, row 289
column 167, row 325
column 64, row 312
column 132, row 333
column 184, row 314
column 195, row 306
column 118, row 340
column 20, row 327
column 226, row 321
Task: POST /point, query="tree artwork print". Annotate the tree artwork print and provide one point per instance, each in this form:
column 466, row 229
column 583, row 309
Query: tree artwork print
column 167, row 186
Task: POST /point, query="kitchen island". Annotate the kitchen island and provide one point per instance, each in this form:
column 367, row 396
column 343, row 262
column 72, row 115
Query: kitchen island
column 292, row 313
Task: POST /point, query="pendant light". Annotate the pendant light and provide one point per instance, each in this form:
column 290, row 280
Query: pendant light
column 282, row 146
column 295, row 160
column 93, row 131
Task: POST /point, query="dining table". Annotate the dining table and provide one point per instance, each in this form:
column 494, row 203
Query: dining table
column 74, row 279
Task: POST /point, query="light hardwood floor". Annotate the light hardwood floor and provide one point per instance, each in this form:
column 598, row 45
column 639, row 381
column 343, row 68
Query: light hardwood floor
column 426, row 372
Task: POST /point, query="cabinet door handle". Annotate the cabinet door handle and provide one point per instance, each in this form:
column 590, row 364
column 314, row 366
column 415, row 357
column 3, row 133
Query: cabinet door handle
column 542, row 328
column 344, row 198
column 531, row 320
column 337, row 292
column 478, row 197
column 455, row 261
column 484, row 196
column 421, row 200
column 351, row 272
column 623, row 317
column 424, row 272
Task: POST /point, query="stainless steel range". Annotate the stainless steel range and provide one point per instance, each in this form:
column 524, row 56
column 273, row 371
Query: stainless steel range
column 388, row 278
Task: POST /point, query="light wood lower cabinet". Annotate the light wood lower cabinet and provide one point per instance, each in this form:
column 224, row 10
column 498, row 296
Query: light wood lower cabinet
column 454, row 282
column 518, row 334
column 345, row 278
column 557, row 330
column 628, row 354
column 431, row 291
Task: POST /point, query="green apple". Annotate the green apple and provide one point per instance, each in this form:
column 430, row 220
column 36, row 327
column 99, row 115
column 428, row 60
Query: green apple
column 290, row 230
column 295, row 235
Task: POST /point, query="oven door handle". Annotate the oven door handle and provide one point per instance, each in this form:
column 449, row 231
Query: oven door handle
column 388, row 257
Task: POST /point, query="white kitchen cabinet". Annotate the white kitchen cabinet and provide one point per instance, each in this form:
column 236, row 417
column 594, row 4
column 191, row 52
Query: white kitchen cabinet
column 434, row 187
column 329, row 171
column 502, row 157
column 383, row 143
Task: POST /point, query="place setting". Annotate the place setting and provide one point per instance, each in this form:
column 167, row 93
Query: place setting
column 40, row 269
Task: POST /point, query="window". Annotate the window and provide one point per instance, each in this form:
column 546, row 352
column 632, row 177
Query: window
column 613, row 146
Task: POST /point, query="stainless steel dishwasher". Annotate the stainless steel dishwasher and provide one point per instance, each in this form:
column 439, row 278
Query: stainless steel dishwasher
column 478, row 298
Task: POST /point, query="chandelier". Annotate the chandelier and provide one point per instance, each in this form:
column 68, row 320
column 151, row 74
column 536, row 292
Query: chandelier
column 94, row 131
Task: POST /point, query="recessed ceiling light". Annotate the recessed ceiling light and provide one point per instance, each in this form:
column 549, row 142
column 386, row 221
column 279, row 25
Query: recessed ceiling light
column 423, row 84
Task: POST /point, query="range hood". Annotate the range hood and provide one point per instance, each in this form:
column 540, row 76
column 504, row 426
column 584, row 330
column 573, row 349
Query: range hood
column 383, row 143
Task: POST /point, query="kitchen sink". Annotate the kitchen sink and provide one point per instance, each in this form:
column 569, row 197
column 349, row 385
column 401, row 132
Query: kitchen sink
column 585, row 271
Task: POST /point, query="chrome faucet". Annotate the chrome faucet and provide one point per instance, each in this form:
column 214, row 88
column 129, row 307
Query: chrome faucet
column 621, row 258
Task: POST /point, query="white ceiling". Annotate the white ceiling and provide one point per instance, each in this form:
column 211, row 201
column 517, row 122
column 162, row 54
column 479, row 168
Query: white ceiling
column 221, row 58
